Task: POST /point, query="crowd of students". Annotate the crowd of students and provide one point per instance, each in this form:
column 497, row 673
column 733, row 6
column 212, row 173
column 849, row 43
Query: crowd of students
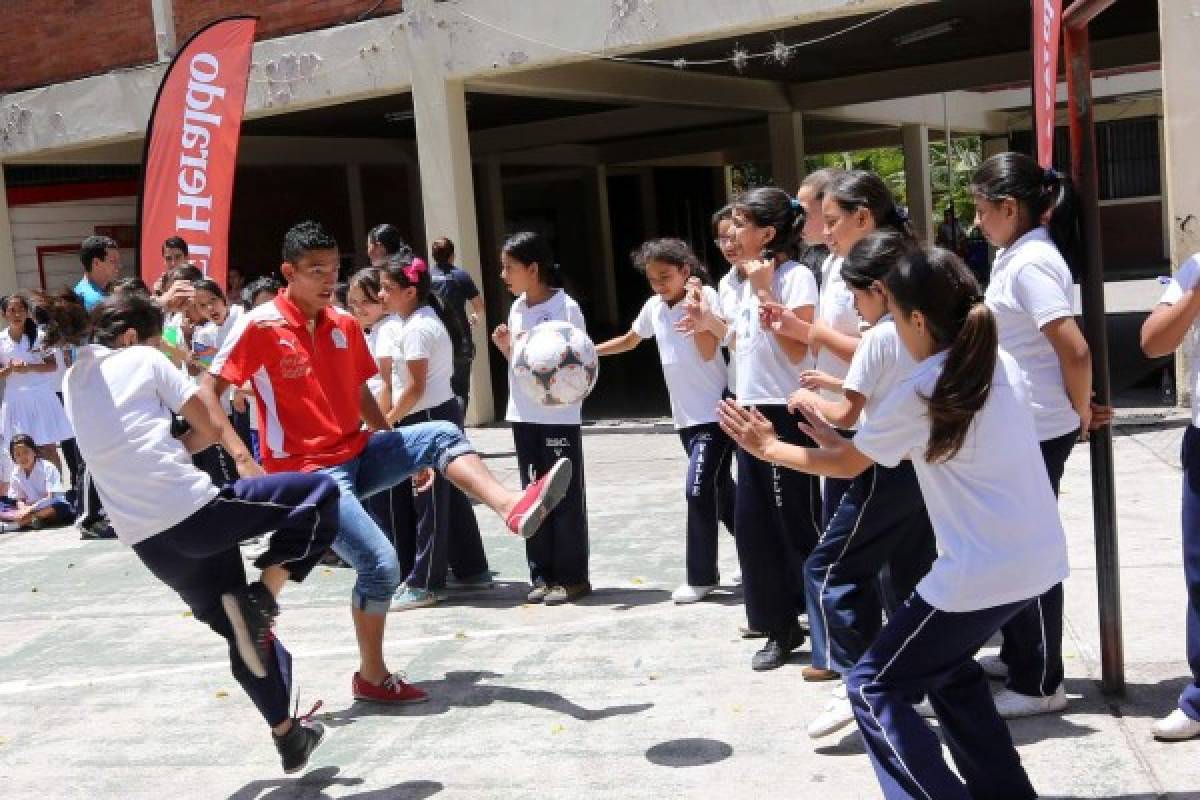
column 899, row 433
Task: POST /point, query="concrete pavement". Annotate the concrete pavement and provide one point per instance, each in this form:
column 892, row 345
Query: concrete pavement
column 109, row 689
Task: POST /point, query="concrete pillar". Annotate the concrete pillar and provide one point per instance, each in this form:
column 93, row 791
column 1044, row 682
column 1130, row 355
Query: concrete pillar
column 786, row 133
column 1179, row 30
column 358, row 215
column 8, row 259
column 163, row 12
column 607, row 283
column 917, row 180
column 416, row 214
column 448, row 195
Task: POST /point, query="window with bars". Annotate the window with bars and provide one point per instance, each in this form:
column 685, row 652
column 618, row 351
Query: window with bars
column 1127, row 155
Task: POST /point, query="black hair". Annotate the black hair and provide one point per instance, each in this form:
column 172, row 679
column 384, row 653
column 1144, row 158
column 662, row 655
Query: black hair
column 442, row 249
column 769, row 207
column 367, row 280
column 264, row 283
column 388, row 235
column 873, row 256
column 186, row 272
column 858, row 188
column 211, row 286
column 341, row 294
column 94, row 247
column 305, row 237
column 128, row 283
column 30, row 329
column 19, row 439
column 1038, row 192
column 668, row 251
column 820, row 180
column 530, row 247
column 938, row 284
column 175, row 243
column 110, row 319
column 720, row 215
column 396, row 272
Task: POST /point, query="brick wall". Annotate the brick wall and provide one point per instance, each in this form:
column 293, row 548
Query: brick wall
column 277, row 17
column 48, row 41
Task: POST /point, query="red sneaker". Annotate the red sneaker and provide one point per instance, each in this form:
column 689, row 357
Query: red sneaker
column 393, row 691
column 539, row 499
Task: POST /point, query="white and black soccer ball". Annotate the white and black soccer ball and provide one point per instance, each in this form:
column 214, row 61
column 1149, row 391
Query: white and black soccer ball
column 555, row 364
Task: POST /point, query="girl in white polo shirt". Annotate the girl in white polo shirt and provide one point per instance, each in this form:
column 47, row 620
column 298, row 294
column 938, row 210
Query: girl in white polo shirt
column 1175, row 322
column 695, row 374
column 420, row 352
column 963, row 418
column 558, row 557
column 1029, row 213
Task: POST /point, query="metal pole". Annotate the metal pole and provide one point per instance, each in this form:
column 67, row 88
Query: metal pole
column 1084, row 173
column 949, row 169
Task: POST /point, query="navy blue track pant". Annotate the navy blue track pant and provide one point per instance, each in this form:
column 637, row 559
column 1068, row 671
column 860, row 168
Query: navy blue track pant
column 558, row 555
column 710, row 498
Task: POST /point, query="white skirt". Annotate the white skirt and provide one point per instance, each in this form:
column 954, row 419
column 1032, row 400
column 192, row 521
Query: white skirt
column 35, row 412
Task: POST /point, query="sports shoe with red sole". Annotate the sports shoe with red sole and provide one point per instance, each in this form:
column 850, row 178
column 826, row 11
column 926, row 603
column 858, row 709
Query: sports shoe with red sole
column 393, row 691
column 539, row 499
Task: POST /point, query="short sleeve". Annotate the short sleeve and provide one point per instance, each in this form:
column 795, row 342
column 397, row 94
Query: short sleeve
column 897, row 430
column 872, row 360
column 798, row 288
column 1039, row 292
column 575, row 315
column 470, row 290
column 417, row 342
column 1183, row 281
column 360, row 354
column 172, row 387
column 239, row 357
column 643, row 326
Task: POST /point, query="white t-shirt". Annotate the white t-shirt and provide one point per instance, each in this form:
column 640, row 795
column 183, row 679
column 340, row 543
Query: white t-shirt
column 695, row 385
column 729, row 294
column 1185, row 280
column 6, row 464
column 420, row 337
column 836, row 309
column 765, row 374
column 22, row 350
column 42, row 486
column 120, row 403
column 378, row 330
column 207, row 341
column 1031, row 287
column 521, row 319
column 880, row 362
column 999, row 537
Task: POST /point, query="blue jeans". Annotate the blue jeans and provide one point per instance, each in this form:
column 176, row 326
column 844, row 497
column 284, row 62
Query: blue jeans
column 390, row 458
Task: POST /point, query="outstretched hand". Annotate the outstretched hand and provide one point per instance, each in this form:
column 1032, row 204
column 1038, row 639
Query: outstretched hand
column 817, row 428
column 753, row 432
column 782, row 320
column 697, row 314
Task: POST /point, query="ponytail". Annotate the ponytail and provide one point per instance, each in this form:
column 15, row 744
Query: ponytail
column 937, row 284
column 873, row 256
column 861, row 189
column 405, row 273
column 1044, row 195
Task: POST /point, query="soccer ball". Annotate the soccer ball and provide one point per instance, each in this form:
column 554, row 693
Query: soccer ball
column 555, row 364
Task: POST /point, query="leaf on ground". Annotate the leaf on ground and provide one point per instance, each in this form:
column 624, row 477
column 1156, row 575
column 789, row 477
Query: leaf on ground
column 637, row 580
column 557, row 728
column 34, row 589
column 222, row 694
column 327, row 571
column 652, row 676
column 460, row 635
column 186, row 614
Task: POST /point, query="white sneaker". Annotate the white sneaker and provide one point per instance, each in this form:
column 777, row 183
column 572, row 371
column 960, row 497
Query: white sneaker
column 837, row 715
column 690, row 594
column 1012, row 704
column 993, row 667
column 1175, row 727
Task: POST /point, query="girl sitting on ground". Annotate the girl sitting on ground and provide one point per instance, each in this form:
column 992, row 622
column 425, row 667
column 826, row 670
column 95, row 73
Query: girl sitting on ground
column 36, row 488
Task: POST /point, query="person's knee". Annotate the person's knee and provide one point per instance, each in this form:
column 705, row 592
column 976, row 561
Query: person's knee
column 377, row 581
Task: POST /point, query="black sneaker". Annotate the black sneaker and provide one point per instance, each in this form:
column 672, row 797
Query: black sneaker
column 252, row 613
column 100, row 529
column 298, row 744
column 775, row 652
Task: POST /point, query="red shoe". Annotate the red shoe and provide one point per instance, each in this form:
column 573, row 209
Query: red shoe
column 393, row 691
column 539, row 499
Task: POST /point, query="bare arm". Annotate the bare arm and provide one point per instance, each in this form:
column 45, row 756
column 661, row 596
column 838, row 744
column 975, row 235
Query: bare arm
column 619, row 344
column 384, row 397
column 209, row 426
column 369, row 409
column 706, row 343
column 796, row 350
column 842, row 345
column 834, row 457
column 412, row 392
column 1164, row 329
column 1075, row 360
column 477, row 305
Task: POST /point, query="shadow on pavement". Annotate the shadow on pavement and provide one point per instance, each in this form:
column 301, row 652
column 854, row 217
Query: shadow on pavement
column 312, row 786
column 688, row 752
column 624, row 598
column 466, row 690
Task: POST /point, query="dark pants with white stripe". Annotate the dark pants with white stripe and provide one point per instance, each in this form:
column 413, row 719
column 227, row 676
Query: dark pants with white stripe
column 775, row 527
column 1189, row 699
column 923, row 651
column 1032, row 646
column 434, row 528
column 880, row 521
column 710, row 498
column 558, row 555
column 199, row 558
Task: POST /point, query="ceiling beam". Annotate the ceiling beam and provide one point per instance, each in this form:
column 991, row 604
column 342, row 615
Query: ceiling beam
column 625, row 84
column 969, row 112
column 705, row 141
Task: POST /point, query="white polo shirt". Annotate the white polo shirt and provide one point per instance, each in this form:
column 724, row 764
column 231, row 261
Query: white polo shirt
column 765, row 374
column 836, row 309
column 42, row 486
column 120, row 404
column 999, row 537
column 1185, row 280
column 1031, row 287
column 729, row 295
column 694, row 384
column 420, row 337
column 880, row 362
column 521, row 320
